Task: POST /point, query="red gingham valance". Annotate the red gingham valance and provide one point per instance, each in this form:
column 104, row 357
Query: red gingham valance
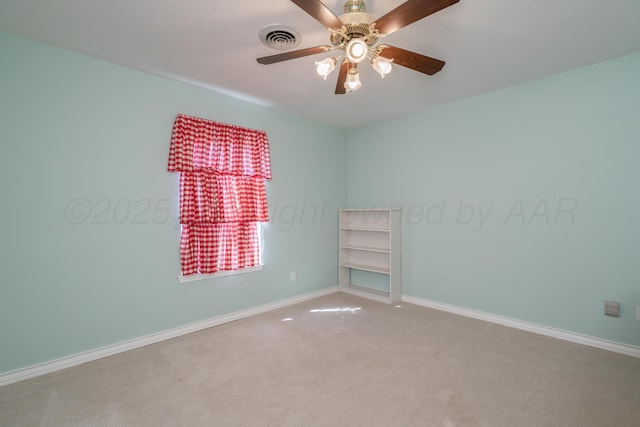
column 225, row 149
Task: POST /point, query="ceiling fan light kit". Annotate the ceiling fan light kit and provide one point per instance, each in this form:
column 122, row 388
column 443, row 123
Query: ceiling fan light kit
column 356, row 33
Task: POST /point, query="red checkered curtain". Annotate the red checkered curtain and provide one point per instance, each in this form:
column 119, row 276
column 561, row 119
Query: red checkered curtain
column 223, row 169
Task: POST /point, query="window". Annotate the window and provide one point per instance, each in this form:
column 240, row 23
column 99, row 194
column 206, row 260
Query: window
column 223, row 169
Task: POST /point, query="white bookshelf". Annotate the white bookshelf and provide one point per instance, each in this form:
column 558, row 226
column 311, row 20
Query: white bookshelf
column 369, row 242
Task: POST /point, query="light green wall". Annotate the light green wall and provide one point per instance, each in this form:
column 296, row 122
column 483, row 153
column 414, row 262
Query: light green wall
column 78, row 133
column 77, row 129
column 553, row 165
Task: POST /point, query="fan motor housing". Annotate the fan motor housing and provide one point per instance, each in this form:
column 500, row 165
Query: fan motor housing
column 356, row 25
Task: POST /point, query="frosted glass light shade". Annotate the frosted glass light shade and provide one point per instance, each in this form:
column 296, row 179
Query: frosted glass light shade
column 356, row 50
column 381, row 65
column 325, row 67
column 353, row 80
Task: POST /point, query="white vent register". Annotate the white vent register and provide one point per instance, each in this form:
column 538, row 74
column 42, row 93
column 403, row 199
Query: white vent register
column 370, row 261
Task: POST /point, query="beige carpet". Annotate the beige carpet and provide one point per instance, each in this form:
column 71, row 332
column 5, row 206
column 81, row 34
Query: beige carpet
column 340, row 360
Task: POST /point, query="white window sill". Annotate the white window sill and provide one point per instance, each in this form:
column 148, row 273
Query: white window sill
column 195, row 277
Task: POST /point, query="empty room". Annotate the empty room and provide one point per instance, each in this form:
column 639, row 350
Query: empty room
column 306, row 213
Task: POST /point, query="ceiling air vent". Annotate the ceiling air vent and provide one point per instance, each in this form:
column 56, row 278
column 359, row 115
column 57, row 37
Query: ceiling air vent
column 280, row 37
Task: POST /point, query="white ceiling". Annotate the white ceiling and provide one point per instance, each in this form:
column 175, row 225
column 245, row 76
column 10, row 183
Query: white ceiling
column 487, row 45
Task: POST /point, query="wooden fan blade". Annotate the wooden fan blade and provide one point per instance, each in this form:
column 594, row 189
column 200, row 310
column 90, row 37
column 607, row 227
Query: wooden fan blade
column 266, row 60
column 320, row 12
column 342, row 77
column 408, row 13
column 415, row 61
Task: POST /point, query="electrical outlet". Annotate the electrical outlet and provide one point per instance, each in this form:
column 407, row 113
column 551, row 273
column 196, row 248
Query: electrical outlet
column 637, row 312
column 293, row 276
column 612, row 308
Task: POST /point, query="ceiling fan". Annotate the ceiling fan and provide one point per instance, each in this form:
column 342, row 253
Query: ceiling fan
column 356, row 34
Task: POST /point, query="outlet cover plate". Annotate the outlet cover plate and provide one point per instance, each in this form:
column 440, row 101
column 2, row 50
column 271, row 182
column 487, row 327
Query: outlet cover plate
column 612, row 308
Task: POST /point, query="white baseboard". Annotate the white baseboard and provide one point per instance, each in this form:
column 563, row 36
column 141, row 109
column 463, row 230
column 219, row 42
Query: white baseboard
column 615, row 347
column 110, row 350
column 99, row 353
